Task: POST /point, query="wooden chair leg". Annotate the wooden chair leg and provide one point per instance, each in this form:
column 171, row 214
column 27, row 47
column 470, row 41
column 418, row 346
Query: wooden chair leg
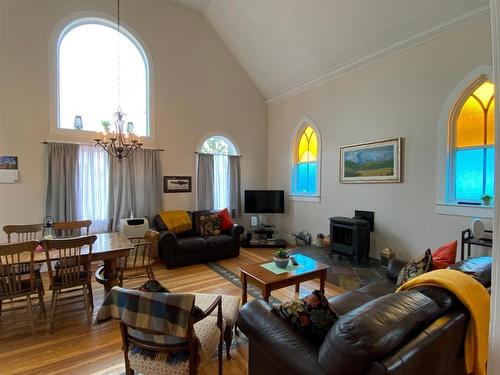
column 91, row 295
column 151, row 274
column 53, row 311
column 220, row 354
column 228, row 338
column 30, row 314
column 87, row 304
column 1, row 308
column 41, row 302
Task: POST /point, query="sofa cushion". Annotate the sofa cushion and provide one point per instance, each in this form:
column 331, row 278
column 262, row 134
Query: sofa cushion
column 378, row 289
column 348, row 301
column 219, row 242
column 210, row 225
column 226, row 221
column 415, row 267
column 374, row 330
column 478, row 267
column 190, row 244
column 444, row 256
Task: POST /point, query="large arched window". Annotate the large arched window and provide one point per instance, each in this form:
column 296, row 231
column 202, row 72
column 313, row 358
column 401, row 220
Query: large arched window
column 221, row 150
column 472, row 144
column 306, row 161
column 99, row 68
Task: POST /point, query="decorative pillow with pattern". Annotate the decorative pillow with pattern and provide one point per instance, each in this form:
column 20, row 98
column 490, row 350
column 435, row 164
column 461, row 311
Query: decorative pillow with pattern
column 311, row 316
column 210, row 225
column 416, row 267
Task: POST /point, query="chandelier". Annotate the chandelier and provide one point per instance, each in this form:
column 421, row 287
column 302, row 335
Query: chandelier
column 118, row 143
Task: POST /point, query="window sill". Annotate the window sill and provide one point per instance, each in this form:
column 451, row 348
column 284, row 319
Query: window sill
column 305, row 198
column 464, row 210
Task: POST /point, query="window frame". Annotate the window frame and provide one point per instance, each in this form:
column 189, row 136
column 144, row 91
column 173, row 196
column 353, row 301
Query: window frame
column 297, row 134
column 445, row 171
column 451, row 198
column 67, row 24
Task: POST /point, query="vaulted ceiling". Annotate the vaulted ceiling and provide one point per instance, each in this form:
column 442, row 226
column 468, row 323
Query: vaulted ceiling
column 286, row 46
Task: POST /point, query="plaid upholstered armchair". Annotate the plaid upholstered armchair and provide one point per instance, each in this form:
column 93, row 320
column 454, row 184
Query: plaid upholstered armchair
column 173, row 339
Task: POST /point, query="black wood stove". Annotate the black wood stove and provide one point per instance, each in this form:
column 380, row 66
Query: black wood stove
column 350, row 237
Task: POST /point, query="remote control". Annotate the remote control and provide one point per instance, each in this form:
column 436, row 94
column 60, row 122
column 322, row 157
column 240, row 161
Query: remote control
column 294, row 262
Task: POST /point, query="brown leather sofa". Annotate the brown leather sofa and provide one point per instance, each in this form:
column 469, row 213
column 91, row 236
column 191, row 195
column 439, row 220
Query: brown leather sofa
column 191, row 247
column 419, row 331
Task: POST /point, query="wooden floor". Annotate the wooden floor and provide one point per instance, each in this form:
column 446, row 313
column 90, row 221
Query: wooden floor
column 76, row 348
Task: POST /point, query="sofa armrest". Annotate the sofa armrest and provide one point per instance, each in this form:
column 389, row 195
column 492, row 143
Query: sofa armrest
column 167, row 246
column 236, row 231
column 394, row 268
column 278, row 339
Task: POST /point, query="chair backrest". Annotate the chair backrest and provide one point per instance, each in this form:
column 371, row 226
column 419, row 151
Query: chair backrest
column 145, row 251
column 72, row 261
column 23, row 233
column 72, row 228
column 13, row 275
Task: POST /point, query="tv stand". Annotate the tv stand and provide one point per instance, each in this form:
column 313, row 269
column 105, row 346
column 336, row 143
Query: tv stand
column 262, row 236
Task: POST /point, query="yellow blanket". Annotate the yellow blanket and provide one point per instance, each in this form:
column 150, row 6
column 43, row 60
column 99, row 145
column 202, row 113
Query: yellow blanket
column 176, row 221
column 477, row 300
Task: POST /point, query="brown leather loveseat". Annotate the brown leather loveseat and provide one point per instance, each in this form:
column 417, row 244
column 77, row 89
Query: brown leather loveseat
column 419, row 331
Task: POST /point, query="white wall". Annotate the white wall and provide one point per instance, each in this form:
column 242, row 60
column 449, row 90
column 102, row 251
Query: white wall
column 400, row 96
column 199, row 88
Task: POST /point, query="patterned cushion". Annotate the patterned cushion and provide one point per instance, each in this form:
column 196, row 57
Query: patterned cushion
column 208, row 335
column 416, row 267
column 311, row 316
column 230, row 306
column 210, row 225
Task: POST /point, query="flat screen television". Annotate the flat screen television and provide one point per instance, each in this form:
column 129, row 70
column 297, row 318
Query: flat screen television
column 264, row 201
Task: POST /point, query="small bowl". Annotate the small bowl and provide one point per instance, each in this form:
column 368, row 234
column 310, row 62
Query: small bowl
column 281, row 262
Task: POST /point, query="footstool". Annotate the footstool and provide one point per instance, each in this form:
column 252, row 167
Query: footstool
column 230, row 311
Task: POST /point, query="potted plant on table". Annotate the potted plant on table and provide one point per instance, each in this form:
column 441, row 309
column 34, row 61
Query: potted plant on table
column 281, row 258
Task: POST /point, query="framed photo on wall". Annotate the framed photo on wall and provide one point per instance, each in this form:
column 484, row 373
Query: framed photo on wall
column 177, row 184
column 371, row 162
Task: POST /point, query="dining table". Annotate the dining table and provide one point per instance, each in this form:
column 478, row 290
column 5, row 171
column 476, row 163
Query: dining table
column 107, row 248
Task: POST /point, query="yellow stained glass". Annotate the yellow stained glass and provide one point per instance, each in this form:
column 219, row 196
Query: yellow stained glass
column 485, row 92
column 491, row 124
column 475, row 123
column 308, row 146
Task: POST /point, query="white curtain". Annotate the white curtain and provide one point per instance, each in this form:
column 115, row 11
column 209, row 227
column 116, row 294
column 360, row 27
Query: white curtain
column 93, row 188
column 221, row 182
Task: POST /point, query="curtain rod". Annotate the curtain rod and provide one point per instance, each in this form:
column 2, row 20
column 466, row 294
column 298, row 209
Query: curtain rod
column 91, row 144
column 205, row 153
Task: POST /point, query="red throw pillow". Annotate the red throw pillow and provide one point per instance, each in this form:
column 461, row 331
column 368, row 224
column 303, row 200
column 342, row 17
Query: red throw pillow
column 444, row 256
column 226, row 221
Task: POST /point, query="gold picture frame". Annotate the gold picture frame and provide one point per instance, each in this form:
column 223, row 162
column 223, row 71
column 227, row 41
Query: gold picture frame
column 371, row 162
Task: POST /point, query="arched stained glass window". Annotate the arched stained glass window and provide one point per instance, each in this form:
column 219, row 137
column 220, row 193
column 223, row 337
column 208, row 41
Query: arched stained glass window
column 305, row 175
column 474, row 140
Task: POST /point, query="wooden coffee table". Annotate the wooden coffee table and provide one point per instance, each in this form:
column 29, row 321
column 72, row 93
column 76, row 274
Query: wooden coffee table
column 268, row 281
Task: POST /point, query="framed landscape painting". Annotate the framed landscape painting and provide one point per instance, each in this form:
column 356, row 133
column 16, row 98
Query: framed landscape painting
column 371, row 162
column 177, row 184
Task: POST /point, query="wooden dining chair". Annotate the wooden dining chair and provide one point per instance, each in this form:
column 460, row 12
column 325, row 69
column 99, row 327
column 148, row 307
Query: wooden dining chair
column 72, row 228
column 140, row 260
column 14, row 282
column 23, row 233
column 73, row 270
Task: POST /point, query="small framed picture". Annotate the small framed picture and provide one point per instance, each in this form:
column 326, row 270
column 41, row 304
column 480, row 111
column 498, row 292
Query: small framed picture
column 371, row 162
column 177, row 184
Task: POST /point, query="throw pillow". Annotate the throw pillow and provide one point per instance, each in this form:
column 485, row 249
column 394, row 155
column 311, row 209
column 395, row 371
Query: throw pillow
column 444, row 256
column 226, row 221
column 210, row 225
column 311, row 316
column 416, row 267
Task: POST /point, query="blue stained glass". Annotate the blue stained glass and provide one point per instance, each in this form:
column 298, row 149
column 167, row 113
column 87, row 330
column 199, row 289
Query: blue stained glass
column 304, row 178
column 469, row 174
column 490, row 171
